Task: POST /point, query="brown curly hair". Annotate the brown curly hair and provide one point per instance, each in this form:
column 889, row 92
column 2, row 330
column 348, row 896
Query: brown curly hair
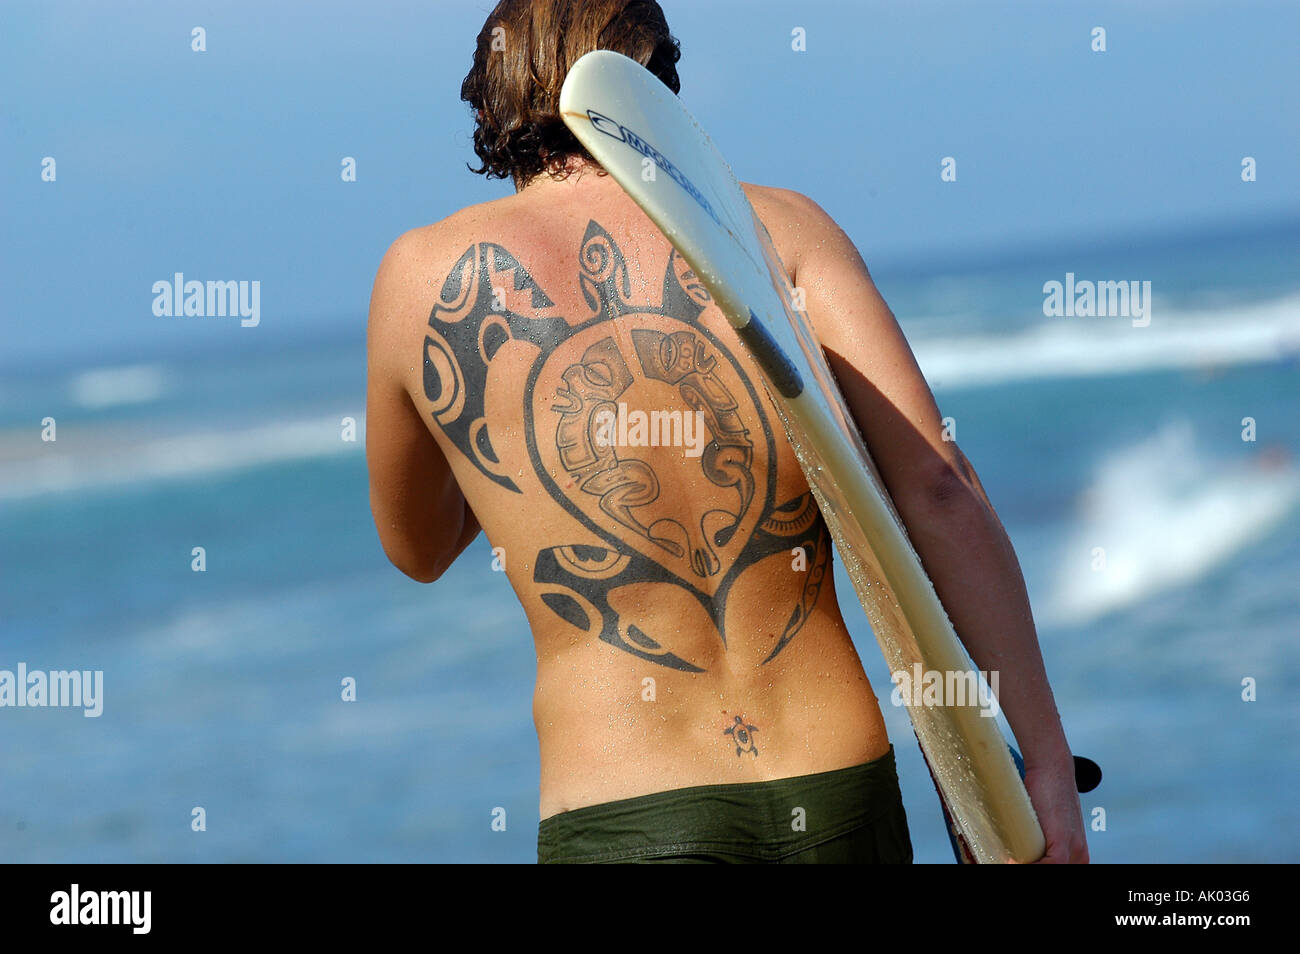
column 523, row 53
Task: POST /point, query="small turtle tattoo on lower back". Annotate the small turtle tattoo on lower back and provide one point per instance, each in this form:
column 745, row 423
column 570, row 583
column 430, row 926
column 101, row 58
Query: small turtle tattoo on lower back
column 743, row 735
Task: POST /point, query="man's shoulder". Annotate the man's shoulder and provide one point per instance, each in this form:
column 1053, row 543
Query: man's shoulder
column 794, row 221
column 780, row 201
column 429, row 244
column 419, row 261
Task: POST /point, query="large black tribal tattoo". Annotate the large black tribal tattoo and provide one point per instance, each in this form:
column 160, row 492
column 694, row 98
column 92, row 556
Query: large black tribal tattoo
column 574, row 404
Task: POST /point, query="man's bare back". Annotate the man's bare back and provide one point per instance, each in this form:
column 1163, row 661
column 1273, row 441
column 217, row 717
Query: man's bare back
column 694, row 676
column 680, row 597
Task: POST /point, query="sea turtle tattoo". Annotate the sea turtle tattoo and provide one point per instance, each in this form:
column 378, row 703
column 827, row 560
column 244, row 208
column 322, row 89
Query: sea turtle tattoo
column 582, row 369
column 743, row 735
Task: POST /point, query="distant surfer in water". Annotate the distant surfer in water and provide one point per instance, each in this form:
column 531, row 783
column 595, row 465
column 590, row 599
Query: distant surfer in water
column 541, row 367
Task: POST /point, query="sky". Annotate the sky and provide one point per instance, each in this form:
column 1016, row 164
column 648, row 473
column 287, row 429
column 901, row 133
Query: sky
column 225, row 164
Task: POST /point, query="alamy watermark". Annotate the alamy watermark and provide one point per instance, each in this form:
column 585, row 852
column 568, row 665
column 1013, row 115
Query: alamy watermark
column 128, row 908
column 950, row 688
column 179, row 298
column 81, row 689
column 1089, row 299
column 624, row 428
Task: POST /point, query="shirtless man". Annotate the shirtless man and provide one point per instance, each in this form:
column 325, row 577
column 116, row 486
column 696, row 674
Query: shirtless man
column 695, row 681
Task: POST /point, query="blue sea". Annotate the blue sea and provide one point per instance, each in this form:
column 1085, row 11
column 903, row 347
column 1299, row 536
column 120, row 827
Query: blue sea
column 222, row 688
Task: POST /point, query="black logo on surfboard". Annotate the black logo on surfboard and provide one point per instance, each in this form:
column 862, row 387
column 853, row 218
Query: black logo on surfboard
column 616, row 130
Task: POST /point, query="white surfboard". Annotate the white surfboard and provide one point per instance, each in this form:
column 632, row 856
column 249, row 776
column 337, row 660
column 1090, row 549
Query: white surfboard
column 643, row 136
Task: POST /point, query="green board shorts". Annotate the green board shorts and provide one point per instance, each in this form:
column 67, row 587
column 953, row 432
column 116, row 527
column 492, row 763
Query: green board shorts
column 847, row 816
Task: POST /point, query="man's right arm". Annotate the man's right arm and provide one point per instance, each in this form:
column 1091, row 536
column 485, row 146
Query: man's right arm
column 420, row 513
column 951, row 523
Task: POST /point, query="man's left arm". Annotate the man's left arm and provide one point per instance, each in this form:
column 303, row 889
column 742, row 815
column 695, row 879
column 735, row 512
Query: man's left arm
column 949, row 519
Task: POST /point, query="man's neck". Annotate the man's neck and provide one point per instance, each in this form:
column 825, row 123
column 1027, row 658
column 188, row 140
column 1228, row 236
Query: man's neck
column 577, row 173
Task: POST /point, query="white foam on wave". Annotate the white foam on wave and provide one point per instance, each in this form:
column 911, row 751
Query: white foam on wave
column 111, row 387
column 1165, row 517
column 29, row 468
column 1089, row 347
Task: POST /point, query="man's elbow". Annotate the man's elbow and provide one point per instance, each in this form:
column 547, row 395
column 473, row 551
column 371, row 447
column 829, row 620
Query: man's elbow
column 422, row 574
column 418, row 566
column 949, row 488
column 942, row 491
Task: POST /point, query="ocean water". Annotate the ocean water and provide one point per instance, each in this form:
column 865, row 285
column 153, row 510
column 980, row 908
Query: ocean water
column 222, row 688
